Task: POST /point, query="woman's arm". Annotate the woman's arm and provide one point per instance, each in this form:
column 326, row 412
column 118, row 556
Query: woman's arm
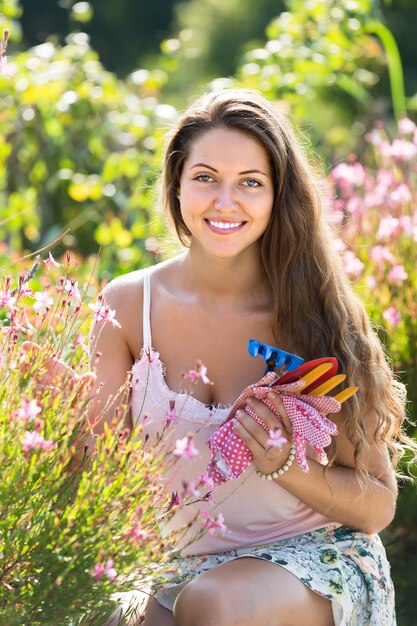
column 336, row 493
column 111, row 355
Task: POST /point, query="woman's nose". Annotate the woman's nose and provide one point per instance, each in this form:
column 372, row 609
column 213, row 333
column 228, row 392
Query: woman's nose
column 225, row 197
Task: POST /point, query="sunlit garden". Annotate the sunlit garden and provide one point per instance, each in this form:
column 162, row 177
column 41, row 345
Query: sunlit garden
column 80, row 155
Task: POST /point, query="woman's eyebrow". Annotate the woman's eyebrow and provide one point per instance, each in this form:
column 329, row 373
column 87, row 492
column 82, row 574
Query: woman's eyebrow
column 254, row 171
column 204, row 165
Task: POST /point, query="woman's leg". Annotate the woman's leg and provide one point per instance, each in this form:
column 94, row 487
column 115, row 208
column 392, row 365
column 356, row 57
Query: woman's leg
column 250, row 592
column 157, row 615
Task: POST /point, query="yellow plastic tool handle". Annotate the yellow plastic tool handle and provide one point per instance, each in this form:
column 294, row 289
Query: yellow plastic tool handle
column 315, row 373
column 345, row 394
column 328, row 385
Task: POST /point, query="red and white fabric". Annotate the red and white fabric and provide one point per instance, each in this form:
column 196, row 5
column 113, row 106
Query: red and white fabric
column 231, row 456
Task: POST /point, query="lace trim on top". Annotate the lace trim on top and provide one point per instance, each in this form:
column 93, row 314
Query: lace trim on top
column 148, row 384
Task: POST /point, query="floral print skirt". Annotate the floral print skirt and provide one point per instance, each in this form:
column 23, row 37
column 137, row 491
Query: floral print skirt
column 348, row 567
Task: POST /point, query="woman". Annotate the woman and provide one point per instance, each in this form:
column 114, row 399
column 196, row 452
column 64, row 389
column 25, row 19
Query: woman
column 259, row 263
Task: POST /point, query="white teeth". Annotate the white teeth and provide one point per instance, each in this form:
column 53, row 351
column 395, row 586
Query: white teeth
column 224, row 225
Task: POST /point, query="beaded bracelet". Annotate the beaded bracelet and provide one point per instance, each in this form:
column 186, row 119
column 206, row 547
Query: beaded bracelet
column 282, row 470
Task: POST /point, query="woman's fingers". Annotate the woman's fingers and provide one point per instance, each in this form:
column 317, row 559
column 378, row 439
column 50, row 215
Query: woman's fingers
column 244, row 429
column 277, row 418
column 268, row 452
column 56, row 370
column 276, row 400
column 54, row 367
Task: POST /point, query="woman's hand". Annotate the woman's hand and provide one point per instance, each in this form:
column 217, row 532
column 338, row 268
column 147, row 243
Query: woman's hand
column 54, row 371
column 54, row 375
column 267, row 458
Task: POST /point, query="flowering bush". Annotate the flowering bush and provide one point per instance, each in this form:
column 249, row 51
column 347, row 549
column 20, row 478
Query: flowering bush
column 375, row 212
column 71, row 537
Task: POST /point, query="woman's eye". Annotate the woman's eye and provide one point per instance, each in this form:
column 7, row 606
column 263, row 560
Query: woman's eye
column 203, row 178
column 251, row 182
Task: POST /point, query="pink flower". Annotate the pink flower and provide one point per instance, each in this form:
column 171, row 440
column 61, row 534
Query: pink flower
column 374, row 137
column 397, row 274
column 371, row 282
column 275, row 439
column 348, row 175
column 406, row 126
column 355, row 205
column 406, row 224
column 28, row 410
column 379, row 254
column 388, row 227
column 200, row 373
column 44, row 301
column 205, row 480
column 71, row 261
column 51, row 261
column 136, row 532
column 5, row 68
column 339, row 244
column 189, row 488
column 81, row 341
column 103, row 313
column 392, row 316
column 152, row 358
column 6, row 299
column 185, row 448
column 33, row 440
column 353, row 266
column 171, row 416
column 174, row 501
column 71, row 287
column 98, row 571
column 401, row 195
column 101, row 570
column 211, row 523
column 402, row 150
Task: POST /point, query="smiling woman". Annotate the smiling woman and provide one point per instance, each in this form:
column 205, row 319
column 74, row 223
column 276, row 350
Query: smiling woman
column 301, row 548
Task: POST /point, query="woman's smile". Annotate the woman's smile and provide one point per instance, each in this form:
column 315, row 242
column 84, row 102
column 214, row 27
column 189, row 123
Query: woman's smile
column 223, row 227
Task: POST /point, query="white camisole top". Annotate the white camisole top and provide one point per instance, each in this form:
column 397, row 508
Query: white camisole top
column 256, row 512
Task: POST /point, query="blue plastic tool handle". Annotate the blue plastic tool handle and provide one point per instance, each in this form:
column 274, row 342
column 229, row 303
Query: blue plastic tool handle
column 274, row 357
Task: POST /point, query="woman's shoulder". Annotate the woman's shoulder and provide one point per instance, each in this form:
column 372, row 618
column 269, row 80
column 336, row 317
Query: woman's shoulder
column 125, row 295
column 127, row 287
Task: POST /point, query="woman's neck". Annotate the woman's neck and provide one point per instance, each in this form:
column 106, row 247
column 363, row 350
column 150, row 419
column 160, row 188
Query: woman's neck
column 232, row 282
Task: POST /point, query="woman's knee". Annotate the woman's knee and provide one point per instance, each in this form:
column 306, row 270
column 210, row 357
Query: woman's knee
column 201, row 603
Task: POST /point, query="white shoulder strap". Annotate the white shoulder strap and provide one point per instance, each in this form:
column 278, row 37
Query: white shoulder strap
column 147, row 337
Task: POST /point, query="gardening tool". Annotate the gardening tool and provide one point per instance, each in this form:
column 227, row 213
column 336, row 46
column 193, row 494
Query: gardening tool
column 307, row 411
column 274, row 357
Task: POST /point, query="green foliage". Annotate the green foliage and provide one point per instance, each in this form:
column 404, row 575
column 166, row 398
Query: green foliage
column 69, row 538
column 211, row 37
column 79, row 151
column 321, row 61
column 10, row 11
column 124, row 33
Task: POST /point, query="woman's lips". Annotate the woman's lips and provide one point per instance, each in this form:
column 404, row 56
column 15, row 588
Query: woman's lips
column 223, row 227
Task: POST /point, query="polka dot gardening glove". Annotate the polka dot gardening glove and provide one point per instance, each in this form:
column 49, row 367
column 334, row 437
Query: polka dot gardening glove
column 231, row 456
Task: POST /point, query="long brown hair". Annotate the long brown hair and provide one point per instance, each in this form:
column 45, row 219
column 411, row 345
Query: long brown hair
column 315, row 311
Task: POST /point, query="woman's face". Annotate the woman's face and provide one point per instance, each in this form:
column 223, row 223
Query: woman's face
column 226, row 192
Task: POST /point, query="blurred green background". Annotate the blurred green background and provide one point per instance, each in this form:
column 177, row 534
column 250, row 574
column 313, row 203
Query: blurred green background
column 95, row 86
